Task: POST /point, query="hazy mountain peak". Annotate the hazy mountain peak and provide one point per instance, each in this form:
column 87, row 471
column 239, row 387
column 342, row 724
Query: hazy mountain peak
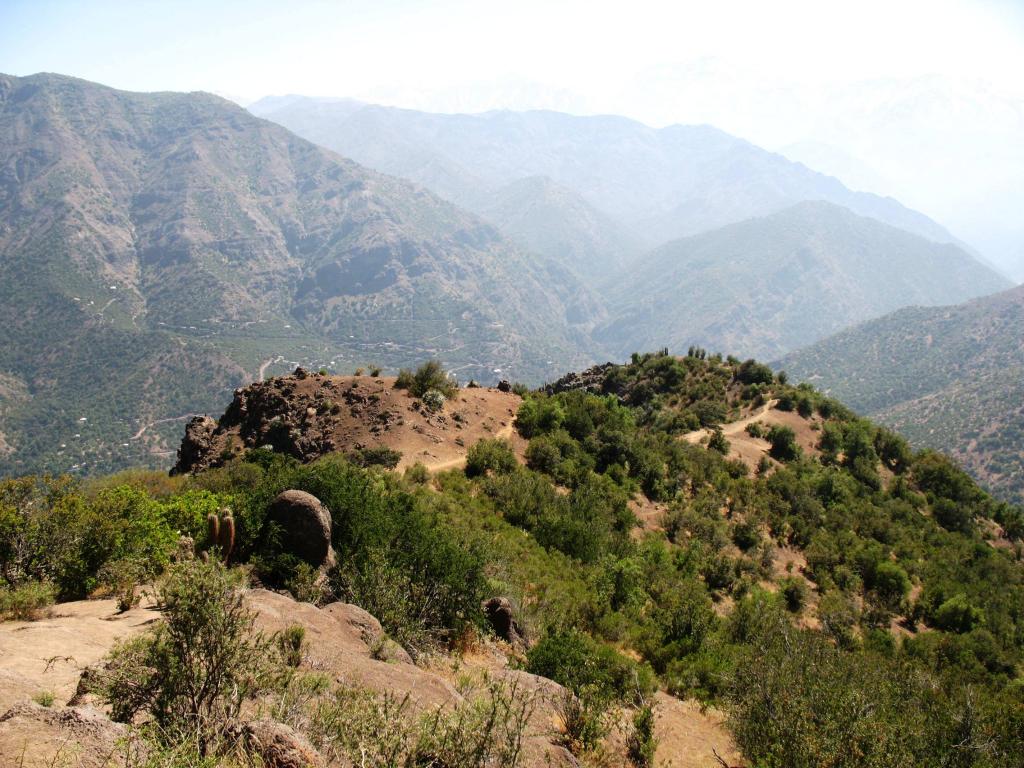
column 773, row 283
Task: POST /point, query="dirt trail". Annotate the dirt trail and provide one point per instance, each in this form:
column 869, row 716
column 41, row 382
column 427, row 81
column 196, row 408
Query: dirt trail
column 751, row 450
column 689, row 737
column 460, row 461
column 733, row 427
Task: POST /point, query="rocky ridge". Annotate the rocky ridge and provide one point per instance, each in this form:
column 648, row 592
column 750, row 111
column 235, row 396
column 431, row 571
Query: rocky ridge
column 309, row 415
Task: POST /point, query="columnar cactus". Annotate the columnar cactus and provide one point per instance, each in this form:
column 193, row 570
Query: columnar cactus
column 212, row 529
column 227, row 535
column 220, row 531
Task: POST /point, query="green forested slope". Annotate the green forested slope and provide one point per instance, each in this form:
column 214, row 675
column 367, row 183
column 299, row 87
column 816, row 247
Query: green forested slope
column 848, row 604
column 767, row 286
column 157, row 248
column 947, row 377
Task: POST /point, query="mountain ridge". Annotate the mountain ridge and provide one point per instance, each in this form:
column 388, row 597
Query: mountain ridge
column 775, row 283
column 180, row 221
column 655, row 180
column 948, row 377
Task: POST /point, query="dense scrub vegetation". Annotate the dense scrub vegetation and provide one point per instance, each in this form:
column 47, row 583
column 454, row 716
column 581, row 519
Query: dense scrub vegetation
column 855, row 604
column 910, row 370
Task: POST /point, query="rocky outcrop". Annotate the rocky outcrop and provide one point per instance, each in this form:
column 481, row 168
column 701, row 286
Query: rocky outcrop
column 33, row 735
column 307, row 415
column 303, row 527
column 295, row 415
column 593, row 380
column 501, row 615
column 201, row 443
column 275, row 744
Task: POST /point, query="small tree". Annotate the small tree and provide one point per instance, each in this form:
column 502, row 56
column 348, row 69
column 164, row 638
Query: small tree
column 784, row 446
column 430, row 375
column 642, row 743
column 794, row 592
column 490, row 455
column 718, row 442
column 193, row 670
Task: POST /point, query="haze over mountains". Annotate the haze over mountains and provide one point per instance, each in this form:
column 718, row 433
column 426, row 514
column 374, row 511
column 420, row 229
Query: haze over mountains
column 661, row 183
column 780, row 282
column 160, row 249
column 947, row 377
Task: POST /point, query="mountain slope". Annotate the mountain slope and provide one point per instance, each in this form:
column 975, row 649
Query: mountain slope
column 947, row 377
column 769, row 285
column 555, row 221
column 666, row 183
column 174, row 242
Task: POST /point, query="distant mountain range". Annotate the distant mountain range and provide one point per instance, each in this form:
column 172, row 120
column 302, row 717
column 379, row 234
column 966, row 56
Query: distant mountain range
column 768, row 285
column 160, row 249
column 948, row 377
column 660, row 184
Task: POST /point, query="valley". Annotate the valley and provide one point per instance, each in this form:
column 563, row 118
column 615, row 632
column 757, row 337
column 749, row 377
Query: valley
column 237, row 251
column 544, row 385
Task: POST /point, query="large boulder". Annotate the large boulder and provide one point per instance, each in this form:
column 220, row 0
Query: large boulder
column 32, row 735
column 304, row 525
column 276, row 744
column 501, row 615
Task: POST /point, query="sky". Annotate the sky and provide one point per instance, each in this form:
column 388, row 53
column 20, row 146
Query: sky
column 583, row 53
column 920, row 99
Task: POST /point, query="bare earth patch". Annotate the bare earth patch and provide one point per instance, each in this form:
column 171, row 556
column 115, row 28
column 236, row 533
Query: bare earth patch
column 750, row 450
column 348, row 413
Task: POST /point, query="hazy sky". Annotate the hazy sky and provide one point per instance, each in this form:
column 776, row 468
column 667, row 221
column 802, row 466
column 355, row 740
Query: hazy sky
column 541, row 53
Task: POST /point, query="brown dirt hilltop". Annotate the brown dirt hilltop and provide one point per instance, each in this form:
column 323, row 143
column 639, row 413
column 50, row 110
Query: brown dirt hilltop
column 307, row 415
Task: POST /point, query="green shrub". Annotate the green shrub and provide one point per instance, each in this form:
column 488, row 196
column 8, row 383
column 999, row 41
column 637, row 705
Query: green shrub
column 752, row 372
column 705, row 675
column 193, row 670
column 891, row 583
column 717, row 442
column 641, row 743
column 405, row 380
column 745, row 535
column 584, row 719
column 538, row 415
column 485, row 730
column 434, row 400
column 838, row 617
column 490, row 456
column 417, row 474
column 26, row 601
column 584, row 665
column 953, row 516
column 429, row 376
column 121, row 577
column 794, row 592
column 957, row 615
column 784, row 445
column 680, row 621
column 377, row 456
column 291, row 644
